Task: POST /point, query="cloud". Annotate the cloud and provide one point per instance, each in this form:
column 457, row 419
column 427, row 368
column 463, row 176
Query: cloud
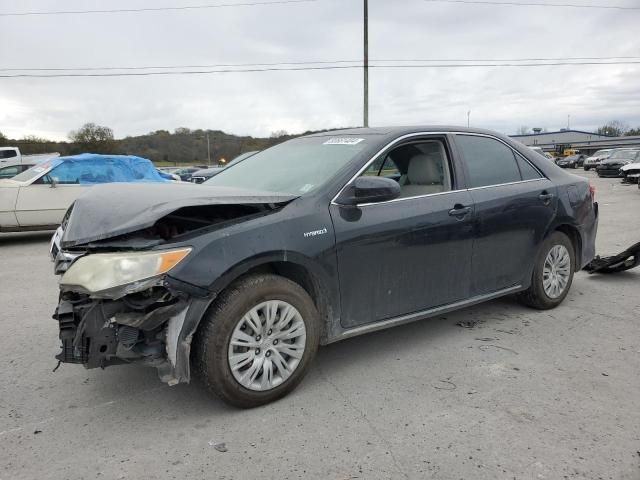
column 259, row 103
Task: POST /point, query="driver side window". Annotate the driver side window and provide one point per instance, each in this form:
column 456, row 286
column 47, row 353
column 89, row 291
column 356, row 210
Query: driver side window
column 421, row 168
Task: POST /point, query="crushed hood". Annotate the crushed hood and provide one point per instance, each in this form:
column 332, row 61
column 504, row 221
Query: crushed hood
column 631, row 166
column 107, row 211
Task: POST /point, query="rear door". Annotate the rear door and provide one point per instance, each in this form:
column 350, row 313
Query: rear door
column 514, row 206
column 409, row 254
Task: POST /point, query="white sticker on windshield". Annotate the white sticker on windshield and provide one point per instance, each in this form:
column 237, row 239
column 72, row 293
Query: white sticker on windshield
column 343, row 141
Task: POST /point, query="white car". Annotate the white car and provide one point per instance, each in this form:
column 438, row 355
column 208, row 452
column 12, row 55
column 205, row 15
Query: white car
column 38, row 198
column 596, row 158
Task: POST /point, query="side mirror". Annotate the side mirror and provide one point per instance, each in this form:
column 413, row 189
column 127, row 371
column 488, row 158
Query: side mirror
column 54, row 182
column 369, row 190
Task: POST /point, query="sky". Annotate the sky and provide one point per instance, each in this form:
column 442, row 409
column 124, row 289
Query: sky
column 258, row 103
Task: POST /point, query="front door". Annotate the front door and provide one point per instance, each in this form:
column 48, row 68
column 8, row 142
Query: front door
column 45, row 205
column 409, row 254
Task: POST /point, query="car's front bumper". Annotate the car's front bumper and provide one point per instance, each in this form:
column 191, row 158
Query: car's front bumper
column 608, row 172
column 103, row 332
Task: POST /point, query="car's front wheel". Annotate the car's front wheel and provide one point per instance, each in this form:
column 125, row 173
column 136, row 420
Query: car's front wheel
column 552, row 273
column 257, row 341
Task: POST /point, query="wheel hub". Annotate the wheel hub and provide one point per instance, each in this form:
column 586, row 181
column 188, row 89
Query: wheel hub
column 267, row 345
column 556, row 271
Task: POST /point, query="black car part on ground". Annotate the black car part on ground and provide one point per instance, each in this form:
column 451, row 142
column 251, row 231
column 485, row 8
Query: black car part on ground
column 626, row 260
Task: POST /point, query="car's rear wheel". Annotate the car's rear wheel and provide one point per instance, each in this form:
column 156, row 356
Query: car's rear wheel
column 552, row 274
column 257, row 341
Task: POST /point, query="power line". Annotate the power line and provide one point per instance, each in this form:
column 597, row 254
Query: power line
column 532, row 4
column 327, row 67
column 152, row 9
column 319, row 62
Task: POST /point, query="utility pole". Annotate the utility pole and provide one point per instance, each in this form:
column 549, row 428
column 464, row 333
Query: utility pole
column 568, row 122
column 366, row 64
column 208, row 151
column 468, row 117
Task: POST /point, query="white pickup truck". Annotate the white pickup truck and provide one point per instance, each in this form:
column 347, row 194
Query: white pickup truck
column 12, row 162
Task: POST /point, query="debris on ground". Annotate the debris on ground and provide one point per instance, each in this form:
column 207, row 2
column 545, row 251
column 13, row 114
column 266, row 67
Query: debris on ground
column 468, row 323
column 626, row 260
column 446, row 385
column 221, row 447
column 485, row 347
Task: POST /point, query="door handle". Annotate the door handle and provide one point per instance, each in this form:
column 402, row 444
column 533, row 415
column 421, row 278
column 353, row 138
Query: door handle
column 459, row 211
column 546, row 197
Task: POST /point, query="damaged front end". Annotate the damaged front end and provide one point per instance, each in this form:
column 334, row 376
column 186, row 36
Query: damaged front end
column 104, row 321
column 118, row 302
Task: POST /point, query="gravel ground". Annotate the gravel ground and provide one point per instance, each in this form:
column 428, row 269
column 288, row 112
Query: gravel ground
column 522, row 394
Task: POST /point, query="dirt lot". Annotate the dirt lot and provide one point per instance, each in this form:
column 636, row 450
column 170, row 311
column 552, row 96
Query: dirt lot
column 522, row 394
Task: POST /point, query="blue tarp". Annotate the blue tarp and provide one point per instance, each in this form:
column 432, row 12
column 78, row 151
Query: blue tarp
column 91, row 168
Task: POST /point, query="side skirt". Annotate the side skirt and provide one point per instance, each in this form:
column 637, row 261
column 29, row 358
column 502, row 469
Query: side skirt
column 412, row 317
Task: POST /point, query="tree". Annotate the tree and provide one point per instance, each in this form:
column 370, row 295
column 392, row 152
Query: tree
column 614, row 128
column 523, row 130
column 632, row 131
column 93, row 138
column 3, row 139
column 279, row 134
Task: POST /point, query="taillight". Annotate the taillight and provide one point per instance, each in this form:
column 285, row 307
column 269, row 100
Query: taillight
column 592, row 191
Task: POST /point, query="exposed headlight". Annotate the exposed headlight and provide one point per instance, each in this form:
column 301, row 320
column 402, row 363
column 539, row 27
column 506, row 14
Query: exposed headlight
column 104, row 271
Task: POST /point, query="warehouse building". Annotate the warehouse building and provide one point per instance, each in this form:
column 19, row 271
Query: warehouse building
column 561, row 137
column 587, row 142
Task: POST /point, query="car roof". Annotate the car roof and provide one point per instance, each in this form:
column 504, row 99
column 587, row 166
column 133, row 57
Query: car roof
column 401, row 130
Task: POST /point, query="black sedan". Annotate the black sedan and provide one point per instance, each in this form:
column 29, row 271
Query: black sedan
column 312, row 241
column 572, row 161
column 612, row 165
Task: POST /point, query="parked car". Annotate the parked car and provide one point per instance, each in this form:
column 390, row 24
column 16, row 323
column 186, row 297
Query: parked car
column 201, row 176
column 572, row 161
column 205, row 174
column 168, row 175
column 630, row 172
column 37, row 198
column 185, row 173
column 11, row 171
column 312, row 241
column 618, row 159
column 12, row 156
column 596, row 158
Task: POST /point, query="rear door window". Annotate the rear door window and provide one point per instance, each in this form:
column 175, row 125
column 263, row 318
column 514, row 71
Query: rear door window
column 489, row 162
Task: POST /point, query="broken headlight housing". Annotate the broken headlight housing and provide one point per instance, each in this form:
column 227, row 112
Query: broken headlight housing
column 106, row 271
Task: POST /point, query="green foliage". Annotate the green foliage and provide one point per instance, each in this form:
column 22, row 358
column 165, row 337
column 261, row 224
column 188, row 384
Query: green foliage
column 184, row 146
column 92, row 138
column 632, row 131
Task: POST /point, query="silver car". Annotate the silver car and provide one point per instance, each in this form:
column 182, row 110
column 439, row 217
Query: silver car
column 596, row 158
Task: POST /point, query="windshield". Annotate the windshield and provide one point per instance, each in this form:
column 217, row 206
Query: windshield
column 624, row 154
column 36, row 170
column 295, row 167
column 602, row 153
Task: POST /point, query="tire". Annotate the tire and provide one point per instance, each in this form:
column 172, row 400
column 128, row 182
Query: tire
column 586, row 169
column 211, row 358
column 574, row 166
column 536, row 296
